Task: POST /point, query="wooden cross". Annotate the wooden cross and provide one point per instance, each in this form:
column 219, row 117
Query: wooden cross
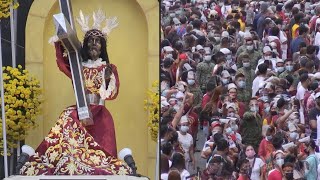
column 66, row 33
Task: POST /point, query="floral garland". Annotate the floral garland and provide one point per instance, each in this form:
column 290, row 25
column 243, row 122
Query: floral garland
column 152, row 106
column 22, row 97
column 5, row 7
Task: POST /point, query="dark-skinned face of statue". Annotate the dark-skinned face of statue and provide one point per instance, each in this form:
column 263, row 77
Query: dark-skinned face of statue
column 94, row 46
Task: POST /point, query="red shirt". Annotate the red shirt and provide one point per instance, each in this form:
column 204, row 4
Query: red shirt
column 265, row 149
column 275, row 174
column 206, row 98
column 218, row 9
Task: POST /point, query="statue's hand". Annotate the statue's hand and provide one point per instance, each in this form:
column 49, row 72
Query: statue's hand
column 108, row 71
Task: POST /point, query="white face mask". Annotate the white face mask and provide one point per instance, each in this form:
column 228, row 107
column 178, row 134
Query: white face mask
column 241, row 84
column 254, row 109
column 250, row 47
column 184, row 129
column 234, row 128
column 191, row 82
column 280, row 69
column 228, row 131
column 267, row 57
column 246, row 65
column 229, row 57
column 168, row 56
column 207, row 58
column 289, row 68
column 231, row 114
column 225, row 81
column 280, row 162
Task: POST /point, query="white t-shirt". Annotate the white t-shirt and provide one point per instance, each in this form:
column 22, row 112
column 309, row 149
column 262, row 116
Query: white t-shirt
column 184, row 174
column 186, row 142
column 300, row 95
column 256, row 168
column 255, row 84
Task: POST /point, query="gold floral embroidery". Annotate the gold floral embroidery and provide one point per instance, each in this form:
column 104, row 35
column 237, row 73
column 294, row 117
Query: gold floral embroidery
column 72, row 151
column 93, row 79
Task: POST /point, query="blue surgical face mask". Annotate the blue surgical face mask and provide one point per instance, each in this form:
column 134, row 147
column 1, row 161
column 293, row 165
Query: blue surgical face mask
column 289, row 68
column 242, row 84
column 267, row 109
column 254, row 109
column 225, row 81
column 191, row 82
column 280, row 69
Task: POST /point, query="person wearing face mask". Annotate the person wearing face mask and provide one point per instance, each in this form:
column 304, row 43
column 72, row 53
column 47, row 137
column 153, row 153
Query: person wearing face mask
column 311, row 163
column 267, row 56
column 193, row 87
column 266, row 147
column 247, row 71
column 280, row 67
column 225, row 78
column 278, row 161
column 248, row 48
column 251, row 125
column 256, row 163
column 228, row 56
column 186, row 141
column 288, row 64
column 204, row 71
column 232, row 96
column 244, row 92
column 287, row 170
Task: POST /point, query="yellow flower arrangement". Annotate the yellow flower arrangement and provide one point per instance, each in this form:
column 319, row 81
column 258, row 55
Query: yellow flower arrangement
column 152, row 106
column 5, row 8
column 22, row 97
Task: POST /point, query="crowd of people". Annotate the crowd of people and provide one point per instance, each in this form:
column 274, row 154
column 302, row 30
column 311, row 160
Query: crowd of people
column 246, row 74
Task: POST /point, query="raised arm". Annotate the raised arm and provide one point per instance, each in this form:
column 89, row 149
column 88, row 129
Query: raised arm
column 62, row 62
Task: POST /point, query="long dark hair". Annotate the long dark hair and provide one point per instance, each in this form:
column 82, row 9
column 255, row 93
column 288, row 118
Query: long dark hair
column 84, row 51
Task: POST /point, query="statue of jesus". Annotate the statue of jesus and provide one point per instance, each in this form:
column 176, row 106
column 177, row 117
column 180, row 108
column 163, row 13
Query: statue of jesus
column 71, row 148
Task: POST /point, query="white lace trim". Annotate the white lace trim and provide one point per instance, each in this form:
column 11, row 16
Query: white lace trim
column 94, row 64
column 111, row 90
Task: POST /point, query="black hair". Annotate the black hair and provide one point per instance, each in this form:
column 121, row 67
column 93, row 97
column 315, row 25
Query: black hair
column 277, row 141
column 210, row 86
column 217, row 137
column 164, row 43
column 281, row 102
column 274, row 31
column 304, row 77
column 166, row 148
column 178, row 161
column 222, row 145
column 85, row 49
column 303, row 29
column 262, row 68
column 183, row 20
column 196, row 24
column 311, row 49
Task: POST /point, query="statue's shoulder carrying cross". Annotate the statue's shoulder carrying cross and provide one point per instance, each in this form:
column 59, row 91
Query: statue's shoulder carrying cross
column 66, row 33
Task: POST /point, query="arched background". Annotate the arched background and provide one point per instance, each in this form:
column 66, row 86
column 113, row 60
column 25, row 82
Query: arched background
column 132, row 47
